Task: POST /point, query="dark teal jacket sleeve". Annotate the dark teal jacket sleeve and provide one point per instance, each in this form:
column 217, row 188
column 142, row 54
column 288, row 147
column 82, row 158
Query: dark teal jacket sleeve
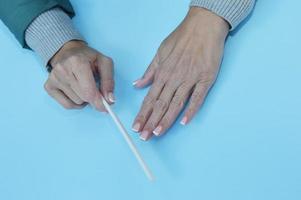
column 18, row 14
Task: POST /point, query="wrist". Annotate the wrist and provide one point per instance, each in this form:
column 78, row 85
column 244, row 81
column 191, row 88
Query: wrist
column 65, row 48
column 200, row 18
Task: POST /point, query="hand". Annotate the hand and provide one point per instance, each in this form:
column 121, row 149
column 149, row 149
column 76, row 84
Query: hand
column 186, row 65
column 72, row 79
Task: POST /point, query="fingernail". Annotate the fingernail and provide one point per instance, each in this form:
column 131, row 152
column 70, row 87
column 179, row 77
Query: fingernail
column 184, row 121
column 111, row 97
column 135, row 82
column 136, row 127
column 144, row 135
column 158, row 130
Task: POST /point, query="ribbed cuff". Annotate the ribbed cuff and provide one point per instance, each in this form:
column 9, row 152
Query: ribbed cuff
column 233, row 11
column 49, row 32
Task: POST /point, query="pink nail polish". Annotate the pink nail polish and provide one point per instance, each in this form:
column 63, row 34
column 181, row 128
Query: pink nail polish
column 158, row 130
column 136, row 127
column 184, row 121
column 144, row 135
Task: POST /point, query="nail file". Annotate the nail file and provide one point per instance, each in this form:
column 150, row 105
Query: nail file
column 129, row 141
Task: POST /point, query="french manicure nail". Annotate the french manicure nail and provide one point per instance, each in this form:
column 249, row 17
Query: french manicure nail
column 144, row 135
column 111, row 97
column 136, row 127
column 184, row 121
column 135, row 82
column 158, row 130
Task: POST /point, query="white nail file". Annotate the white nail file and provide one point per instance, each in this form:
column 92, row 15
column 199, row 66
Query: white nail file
column 129, row 141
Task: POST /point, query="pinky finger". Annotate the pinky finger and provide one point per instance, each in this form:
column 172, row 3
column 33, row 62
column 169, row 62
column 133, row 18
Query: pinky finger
column 62, row 99
column 197, row 98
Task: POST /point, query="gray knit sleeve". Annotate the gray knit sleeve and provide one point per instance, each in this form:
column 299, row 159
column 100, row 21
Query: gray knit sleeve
column 49, row 32
column 233, row 11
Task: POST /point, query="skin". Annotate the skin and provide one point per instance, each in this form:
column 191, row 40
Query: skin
column 72, row 81
column 183, row 70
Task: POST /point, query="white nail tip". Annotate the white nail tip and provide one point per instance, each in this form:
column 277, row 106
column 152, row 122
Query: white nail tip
column 156, row 133
column 111, row 97
column 135, row 130
column 112, row 100
column 142, row 138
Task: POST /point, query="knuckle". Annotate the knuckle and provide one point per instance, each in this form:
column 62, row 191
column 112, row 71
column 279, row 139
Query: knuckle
column 186, row 86
column 173, row 83
column 144, row 113
column 47, row 86
column 148, row 100
column 206, row 83
column 78, row 101
column 141, row 117
column 53, row 78
column 159, row 79
column 151, row 124
column 205, row 78
column 191, row 110
column 198, row 94
column 59, row 68
column 74, row 58
column 177, row 101
column 61, row 71
column 161, row 104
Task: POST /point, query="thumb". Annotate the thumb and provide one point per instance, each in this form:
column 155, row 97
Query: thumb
column 148, row 76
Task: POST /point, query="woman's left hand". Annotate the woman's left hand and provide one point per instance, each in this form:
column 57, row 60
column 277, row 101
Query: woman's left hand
column 186, row 65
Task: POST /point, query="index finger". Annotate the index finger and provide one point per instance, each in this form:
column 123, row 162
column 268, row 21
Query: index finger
column 86, row 87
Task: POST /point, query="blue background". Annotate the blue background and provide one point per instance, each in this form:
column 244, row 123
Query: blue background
column 245, row 143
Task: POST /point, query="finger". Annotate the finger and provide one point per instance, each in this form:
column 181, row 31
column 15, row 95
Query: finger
column 174, row 109
column 148, row 76
column 54, row 88
column 159, row 109
column 97, row 104
column 147, row 106
column 106, row 71
column 86, row 87
column 62, row 99
column 71, row 95
column 197, row 98
column 64, row 81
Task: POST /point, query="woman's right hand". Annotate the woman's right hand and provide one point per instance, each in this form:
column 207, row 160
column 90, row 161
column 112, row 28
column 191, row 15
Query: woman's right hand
column 71, row 81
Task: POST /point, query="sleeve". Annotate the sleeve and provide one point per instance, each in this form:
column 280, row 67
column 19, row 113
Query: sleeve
column 49, row 32
column 233, row 11
column 18, row 14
